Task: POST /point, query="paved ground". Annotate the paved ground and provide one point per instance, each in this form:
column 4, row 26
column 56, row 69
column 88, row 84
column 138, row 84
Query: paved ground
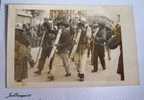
column 107, row 75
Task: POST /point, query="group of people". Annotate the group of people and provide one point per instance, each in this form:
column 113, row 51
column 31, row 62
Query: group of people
column 77, row 38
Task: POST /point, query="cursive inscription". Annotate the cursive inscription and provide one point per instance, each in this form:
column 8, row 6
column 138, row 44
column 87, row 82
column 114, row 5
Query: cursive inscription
column 11, row 94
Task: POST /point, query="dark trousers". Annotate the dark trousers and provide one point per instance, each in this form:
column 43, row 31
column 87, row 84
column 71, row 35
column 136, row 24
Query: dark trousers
column 98, row 53
column 45, row 53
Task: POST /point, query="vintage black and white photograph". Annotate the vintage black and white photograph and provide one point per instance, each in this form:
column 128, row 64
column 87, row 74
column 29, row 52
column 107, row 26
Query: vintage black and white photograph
column 70, row 46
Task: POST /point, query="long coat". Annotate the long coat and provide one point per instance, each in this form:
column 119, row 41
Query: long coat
column 22, row 53
column 120, row 69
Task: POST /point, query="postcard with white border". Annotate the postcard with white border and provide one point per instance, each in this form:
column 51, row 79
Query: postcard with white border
column 71, row 46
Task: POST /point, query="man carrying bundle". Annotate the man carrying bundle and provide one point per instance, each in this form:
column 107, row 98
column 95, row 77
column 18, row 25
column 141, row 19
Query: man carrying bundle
column 47, row 45
column 82, row 49
column 64, row 47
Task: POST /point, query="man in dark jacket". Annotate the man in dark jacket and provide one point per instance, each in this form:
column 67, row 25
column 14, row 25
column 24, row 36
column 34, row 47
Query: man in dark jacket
column 99, row 51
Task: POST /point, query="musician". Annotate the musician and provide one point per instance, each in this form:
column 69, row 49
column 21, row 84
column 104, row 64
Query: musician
column 82, row 50
column 64, row 47
column 47, row 45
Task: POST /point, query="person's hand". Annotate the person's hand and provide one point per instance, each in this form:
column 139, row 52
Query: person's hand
column 56, row 45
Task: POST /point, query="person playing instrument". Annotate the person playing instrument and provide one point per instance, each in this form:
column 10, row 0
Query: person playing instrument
column 82, row 50
column 64, row 47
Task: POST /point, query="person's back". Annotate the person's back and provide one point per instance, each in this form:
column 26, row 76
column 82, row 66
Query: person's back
column 100, row 37
column 65, row 40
